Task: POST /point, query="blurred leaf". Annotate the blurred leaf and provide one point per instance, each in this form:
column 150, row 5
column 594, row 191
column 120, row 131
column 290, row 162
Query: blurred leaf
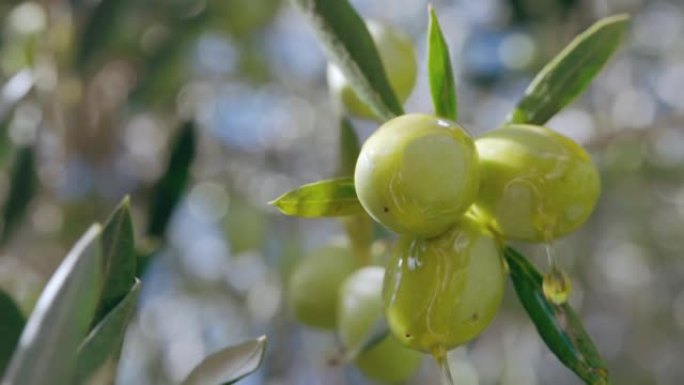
column 163, row 71
column 118, row 247
column 558, row 325
column 169, row 188
column 6, row 145
column 99, row 28
column 349, row 45
column 228, row 365
column 11, row 324
column 46, row 353
column 569, row 73
column 349, row 148
column 23, row 183
column 325, row 198
column 442, row 85
column 14, row 89
column 106, row 338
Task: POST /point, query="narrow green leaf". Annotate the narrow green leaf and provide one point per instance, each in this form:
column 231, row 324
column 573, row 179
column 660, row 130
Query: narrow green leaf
column 228, row 365
column 442, row 85
column 169, row 188
column 569, row 73
column 106, row 338
column 350, row 46
column 11, row 324
column 349, row 148
column 326, row 198
column 46, row 353
column 558, row 325
column 23, row 183
column 118, row 247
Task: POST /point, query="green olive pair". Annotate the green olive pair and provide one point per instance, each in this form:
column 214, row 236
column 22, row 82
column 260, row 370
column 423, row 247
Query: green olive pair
column 330, row 290
column 418, row 175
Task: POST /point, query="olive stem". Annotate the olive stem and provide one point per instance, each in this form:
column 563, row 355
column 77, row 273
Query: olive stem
column 550, row 257
column 443, row 363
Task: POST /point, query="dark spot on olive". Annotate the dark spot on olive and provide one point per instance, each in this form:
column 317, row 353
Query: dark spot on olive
column 385, row 209
column 474, row 317
column 408, row 335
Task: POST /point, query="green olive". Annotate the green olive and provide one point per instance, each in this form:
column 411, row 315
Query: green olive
column 359, row 310
column 399, row 60
column 314, row 285
column 536, row 184
column 442, row 292
column 417, row 174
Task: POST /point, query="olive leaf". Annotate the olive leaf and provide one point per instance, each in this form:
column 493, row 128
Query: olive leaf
column 11, row 324
column 46, row 353
column 441, row 77
column 23, row 183
column 106, row 338
column 569, row 73
column 228, row 365
column 119, row 259
column 349, row 45
column 326, row 198
column 558, row 325
column 168, row 190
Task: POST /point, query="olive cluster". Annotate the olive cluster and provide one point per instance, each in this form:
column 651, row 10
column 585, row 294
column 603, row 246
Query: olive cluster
column 452, row 200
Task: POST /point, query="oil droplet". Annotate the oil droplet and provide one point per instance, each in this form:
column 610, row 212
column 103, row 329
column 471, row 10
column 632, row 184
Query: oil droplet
column 440, row 356
column 557, row 285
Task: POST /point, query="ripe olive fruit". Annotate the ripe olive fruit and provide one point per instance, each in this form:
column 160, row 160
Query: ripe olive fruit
column 399, row 60
column 442, row 292
column 417, row 174
column 536, row 184
column 359, row 309
column 314, row 284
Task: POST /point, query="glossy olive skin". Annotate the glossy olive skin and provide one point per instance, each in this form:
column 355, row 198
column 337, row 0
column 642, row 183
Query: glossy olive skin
column 401, row 67
column 536, row 184
column 314, row 284
column 359, row 309
column 417, row 174
column 442, row 292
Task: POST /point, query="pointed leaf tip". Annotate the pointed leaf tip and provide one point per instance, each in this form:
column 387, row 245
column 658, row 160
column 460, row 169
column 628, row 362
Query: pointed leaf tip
column 229, row 365
column 325, row 198
column 570, row 72
column 440, row 73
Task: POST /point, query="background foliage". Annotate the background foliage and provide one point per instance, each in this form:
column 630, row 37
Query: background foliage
column 96, row 96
